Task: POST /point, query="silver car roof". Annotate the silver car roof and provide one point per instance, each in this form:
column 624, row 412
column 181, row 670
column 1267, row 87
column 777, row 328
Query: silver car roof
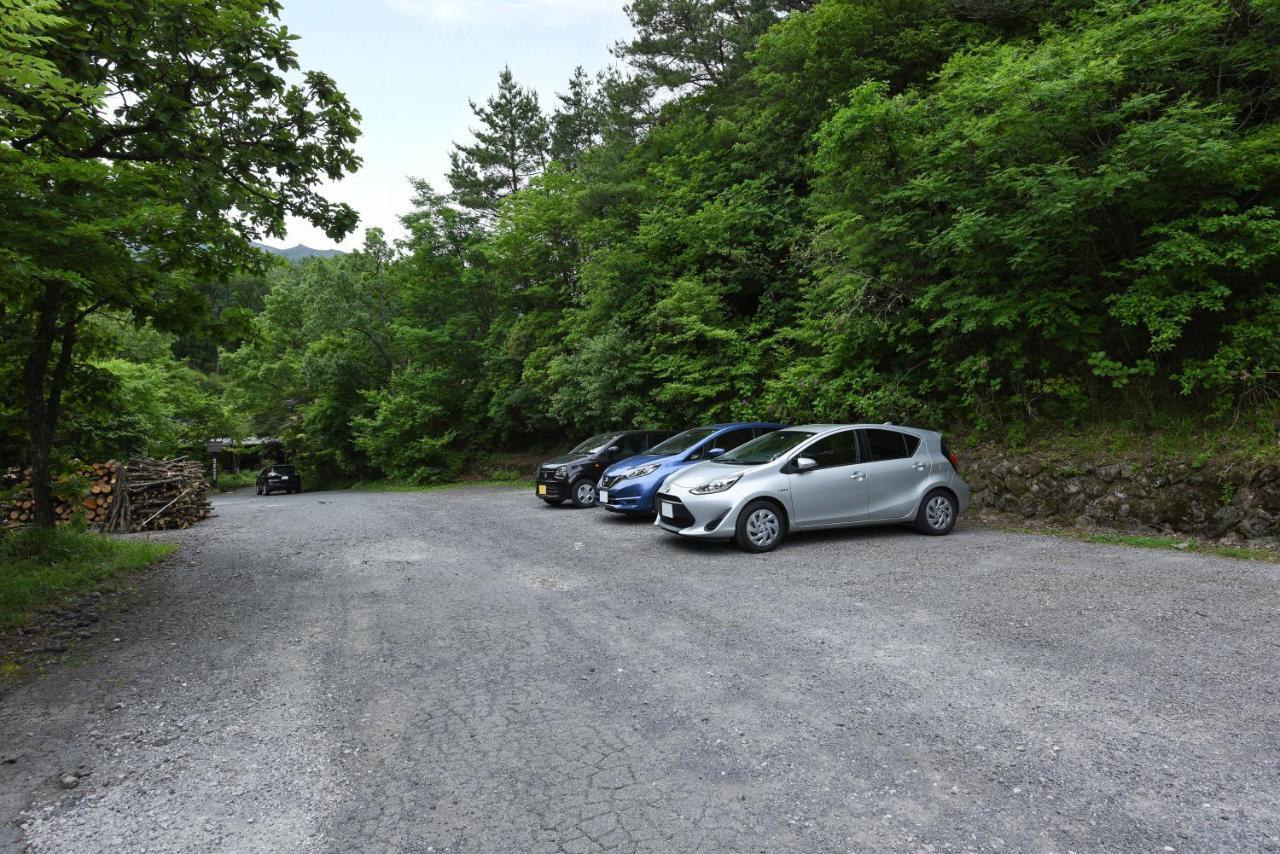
column 930, row 436
column 826, row 428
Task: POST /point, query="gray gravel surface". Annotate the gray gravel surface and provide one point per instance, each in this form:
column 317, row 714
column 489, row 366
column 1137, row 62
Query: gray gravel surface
column 470, row 670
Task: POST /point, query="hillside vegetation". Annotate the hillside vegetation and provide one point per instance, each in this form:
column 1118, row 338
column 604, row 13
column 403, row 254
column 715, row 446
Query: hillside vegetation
column 992, row 216
column 1002, row 215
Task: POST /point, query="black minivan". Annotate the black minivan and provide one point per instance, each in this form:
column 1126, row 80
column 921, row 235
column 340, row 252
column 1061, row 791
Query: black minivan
column 573, row 476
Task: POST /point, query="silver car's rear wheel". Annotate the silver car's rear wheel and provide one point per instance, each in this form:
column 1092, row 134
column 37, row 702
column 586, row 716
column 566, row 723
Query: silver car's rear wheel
column 937, row 514
column 759, row 527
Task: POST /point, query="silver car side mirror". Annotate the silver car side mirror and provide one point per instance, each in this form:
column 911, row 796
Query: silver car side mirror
column 805, row 464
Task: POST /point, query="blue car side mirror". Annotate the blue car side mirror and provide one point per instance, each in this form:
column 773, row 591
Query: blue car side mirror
column 715, row 452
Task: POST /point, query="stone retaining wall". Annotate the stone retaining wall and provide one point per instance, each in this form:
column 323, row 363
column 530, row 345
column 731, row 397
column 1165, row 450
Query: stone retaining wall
column 1232, row 504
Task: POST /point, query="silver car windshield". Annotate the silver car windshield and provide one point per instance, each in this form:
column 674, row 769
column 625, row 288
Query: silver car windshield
column 765, row 449
column 593, row 445
column 682, row 441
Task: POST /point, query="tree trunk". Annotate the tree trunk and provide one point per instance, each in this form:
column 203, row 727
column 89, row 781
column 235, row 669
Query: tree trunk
column 43, row 393
column 42, row 473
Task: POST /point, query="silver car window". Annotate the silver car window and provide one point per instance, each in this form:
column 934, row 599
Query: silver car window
column 838, row 449
column 890, row 444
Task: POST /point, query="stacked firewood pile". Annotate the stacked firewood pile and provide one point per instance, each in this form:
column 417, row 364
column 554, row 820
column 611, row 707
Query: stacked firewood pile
column 142, row 495
column 163, row 494
column 98, row 504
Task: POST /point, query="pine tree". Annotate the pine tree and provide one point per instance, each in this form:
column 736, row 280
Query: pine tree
column 575, row 125
column 626, row 105
column 697, row 43
column 510, row 147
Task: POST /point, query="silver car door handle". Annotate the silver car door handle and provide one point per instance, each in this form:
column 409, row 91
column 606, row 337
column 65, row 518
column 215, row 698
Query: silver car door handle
column 857, row 475
column 920, row 466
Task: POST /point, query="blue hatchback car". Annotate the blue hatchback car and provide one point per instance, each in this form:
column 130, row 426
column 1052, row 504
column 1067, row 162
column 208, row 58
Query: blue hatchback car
column 629, row 486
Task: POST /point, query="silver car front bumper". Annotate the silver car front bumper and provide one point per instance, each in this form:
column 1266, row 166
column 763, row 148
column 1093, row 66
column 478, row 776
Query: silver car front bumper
column 710, row 517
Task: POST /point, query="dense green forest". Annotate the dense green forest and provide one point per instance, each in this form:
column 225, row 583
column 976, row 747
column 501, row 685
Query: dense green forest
column 988, row 215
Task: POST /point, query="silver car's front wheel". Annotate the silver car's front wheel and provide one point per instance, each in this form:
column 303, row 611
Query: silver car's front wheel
column 937, row 514
column 759, row 527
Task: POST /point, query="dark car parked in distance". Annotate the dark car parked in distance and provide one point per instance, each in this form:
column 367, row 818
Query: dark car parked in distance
column 278, row 478
column 573, row 476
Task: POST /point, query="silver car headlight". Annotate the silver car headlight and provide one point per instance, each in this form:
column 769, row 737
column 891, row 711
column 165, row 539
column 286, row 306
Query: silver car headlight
column 562, row 472
column 720, row 484
column 640, row 472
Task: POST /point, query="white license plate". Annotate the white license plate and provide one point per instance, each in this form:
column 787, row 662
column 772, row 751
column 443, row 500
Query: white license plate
column 668, row 509
column 604, row 496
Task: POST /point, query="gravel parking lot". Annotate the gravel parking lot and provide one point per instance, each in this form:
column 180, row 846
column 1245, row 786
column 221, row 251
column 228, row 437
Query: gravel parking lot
column 470, row 670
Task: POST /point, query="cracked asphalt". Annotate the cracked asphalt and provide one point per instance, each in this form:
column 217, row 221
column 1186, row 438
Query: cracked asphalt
column 469, row 670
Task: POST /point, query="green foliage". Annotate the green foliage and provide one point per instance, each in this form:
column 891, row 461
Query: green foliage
column 1060, row 210
column 158, row 408
column 31, row 84
column 408, row 436
column 327, row 333
column 132, row 396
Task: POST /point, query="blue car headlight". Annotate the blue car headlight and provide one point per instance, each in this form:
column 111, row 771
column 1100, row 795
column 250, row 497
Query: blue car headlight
column 640, row 471
column 720, row 484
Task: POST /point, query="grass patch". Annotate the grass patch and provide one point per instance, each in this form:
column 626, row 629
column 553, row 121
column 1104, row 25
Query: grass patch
column 40, row 567
column 1156, row 541
column 404, row 486
column 230, row 481
column 1252, row 439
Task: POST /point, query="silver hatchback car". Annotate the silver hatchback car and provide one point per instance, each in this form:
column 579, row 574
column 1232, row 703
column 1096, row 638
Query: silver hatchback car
column 816, row 476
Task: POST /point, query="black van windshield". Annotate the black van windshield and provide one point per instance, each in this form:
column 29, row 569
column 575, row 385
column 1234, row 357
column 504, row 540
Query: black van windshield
column 594, row 445
column 683, row 441
column 765, row 449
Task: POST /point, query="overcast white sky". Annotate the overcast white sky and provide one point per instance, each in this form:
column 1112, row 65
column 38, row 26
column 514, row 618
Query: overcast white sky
column 409, row 67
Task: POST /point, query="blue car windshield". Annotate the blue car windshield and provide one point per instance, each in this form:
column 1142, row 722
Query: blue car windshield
column 682, row 441
column 594, row 445
column 765, row 449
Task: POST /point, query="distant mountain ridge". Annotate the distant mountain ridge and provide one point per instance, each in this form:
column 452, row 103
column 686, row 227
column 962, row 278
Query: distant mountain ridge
column 297, row 253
